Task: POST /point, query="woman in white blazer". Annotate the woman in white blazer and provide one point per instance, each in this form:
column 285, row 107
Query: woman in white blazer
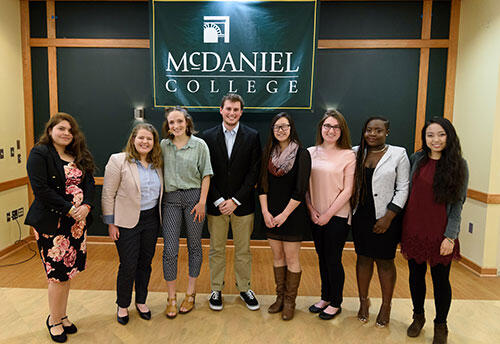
column 381, row 184
column 131, row 205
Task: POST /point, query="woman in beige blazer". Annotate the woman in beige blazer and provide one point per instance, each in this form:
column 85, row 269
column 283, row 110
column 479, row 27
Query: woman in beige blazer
column 131, row 205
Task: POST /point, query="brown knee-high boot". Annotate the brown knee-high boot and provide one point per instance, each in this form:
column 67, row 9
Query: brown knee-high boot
column 279, row 278
column 292, row 285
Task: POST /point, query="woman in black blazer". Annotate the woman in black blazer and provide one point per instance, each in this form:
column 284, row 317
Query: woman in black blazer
column 60, row 169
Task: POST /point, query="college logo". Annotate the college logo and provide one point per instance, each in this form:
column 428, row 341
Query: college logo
column 215, row 27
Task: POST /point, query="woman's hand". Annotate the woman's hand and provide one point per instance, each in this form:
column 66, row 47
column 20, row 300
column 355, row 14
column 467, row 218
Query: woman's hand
column 384, row 222
column 80, row 213
column 268, row 219
column 114, row 232
column 280, row 219
column 323, row 219
column 313, row 213
column 199, row 212
column 447, row 246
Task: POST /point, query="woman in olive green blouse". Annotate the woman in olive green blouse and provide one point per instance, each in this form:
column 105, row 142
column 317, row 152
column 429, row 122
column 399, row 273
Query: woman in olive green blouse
column 187, row 172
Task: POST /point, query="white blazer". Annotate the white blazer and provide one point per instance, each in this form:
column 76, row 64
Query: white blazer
column 121, row 191
column 390, row 183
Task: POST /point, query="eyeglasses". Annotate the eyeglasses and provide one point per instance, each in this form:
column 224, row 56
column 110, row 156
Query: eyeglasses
column 327, row 127
column 282, row 127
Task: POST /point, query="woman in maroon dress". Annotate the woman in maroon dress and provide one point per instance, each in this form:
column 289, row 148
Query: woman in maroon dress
column 438, row 188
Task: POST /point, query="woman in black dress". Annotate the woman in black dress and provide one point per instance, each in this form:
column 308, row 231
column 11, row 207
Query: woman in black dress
column 60, row 169
column 380, row 193
column 284, row 181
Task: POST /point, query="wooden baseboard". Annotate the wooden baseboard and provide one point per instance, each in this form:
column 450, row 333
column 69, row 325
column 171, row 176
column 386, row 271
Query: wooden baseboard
column 482, row 272
column 14, row 247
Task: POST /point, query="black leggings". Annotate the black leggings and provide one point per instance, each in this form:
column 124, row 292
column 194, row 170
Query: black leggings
column 329, row 242
column 442, row 289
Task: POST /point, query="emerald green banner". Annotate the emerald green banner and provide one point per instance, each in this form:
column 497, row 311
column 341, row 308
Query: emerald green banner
column 262, row 50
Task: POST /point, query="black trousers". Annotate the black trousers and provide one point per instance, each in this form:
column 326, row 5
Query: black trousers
column 136, row 248
column 329, row 242
column 442, row 289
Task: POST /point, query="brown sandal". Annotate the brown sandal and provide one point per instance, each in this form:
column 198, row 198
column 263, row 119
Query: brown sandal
column 171, row 308
column 188, row 303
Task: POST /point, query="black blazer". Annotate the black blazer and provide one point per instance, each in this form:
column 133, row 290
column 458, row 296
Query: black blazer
column 46, row 174
column 236, row 176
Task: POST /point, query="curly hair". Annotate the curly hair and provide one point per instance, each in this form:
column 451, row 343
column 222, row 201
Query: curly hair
column 77, row 148
column 154, row 157
column 359, row 192
column 449, row 177
column 165, row 130
column 271, row 143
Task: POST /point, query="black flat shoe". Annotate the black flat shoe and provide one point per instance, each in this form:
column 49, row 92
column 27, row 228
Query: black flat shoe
column 58, row 338
column 69, row 329
column 327, row 316
column 121, row 320
column 144, row 315
column 314, row 309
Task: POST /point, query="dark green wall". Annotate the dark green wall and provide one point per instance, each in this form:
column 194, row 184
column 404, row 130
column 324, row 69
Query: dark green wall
column 101, row 86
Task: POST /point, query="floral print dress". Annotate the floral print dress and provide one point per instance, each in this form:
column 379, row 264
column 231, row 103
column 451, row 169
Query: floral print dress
column 65, row 253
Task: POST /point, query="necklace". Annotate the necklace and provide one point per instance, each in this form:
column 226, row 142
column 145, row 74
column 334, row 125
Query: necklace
column 380, row 150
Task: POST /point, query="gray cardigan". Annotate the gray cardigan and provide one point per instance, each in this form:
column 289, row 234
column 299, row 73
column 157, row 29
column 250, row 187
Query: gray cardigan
column 390, row 184
column 453, row 210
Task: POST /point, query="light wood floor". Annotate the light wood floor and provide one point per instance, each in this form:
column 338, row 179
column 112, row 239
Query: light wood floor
column 102, row 266
column 473, row 318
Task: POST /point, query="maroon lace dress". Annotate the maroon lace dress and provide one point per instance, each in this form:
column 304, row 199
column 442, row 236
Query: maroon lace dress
column 65, row 253
column 424, row 222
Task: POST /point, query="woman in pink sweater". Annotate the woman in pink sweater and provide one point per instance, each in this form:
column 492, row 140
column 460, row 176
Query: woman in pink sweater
column 330, row 188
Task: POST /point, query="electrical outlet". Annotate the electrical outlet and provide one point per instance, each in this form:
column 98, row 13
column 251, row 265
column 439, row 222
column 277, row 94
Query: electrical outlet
column 8, row 216
column 471, row 227
column 14, row 214
column 19, row 158
column 18, row 143
column 11, row 152
column 1, row 153
column 20, row 212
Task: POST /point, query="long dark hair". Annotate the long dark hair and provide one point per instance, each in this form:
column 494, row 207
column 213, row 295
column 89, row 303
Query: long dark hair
column 271, row 143
column 77, row 147
column 449, row 177
column 359, row 192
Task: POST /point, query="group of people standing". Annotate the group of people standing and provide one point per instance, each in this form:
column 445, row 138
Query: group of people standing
column 326, row 189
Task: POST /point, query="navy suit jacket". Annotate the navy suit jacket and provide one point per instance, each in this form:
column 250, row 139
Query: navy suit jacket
column 46, row 174
column 235, row 176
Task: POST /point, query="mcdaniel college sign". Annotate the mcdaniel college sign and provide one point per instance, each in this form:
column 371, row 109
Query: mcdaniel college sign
column 262, row 50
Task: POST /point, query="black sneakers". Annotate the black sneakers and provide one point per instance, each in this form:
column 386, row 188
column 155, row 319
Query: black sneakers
column 215, row 300
column 249, row 298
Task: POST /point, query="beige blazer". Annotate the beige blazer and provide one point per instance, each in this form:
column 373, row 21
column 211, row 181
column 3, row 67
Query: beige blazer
column 121, row 191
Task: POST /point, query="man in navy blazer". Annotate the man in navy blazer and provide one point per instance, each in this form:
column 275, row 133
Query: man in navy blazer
column 235, row 155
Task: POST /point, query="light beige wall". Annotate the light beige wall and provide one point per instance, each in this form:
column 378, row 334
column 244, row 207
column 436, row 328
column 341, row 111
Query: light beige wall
column 476, row 117
column 12, row 119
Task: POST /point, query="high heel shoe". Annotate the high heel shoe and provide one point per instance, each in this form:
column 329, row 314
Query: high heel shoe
column 384, row 315
column 364, row 307
column 69, row 329
column 188, row 303
column 144, row 315
column 171, row 310
column 121, row 320
column 58, row 338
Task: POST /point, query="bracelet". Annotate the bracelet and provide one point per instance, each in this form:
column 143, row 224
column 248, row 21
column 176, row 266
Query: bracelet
column 71, row 210
column 451, row 240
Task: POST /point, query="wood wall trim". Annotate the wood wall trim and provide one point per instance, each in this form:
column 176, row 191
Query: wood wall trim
column 482, row 272
column 451, row 67
column 99, row 180
column 14, row 183
column 483, row 196
column 89, row 43
column 52, row 58
column 381, row 43
column 17, row 245
column 423, row 74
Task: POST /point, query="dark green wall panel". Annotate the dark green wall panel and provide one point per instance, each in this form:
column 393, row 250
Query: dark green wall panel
column 436, row 88
column 40, row 84
column 440, row 25
column 38, row 19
